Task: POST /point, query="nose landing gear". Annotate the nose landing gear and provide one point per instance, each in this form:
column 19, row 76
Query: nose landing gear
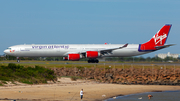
column 18, row 59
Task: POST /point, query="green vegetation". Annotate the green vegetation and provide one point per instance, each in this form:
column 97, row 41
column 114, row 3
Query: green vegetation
column 28, row 75
column 80, row 68
column 74, row 78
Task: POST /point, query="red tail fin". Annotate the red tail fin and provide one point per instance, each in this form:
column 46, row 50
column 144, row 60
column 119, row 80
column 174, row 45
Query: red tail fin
column 159, row 39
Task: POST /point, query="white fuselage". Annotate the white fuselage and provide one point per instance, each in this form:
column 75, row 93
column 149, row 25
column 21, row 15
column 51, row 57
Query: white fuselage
column 61, row 50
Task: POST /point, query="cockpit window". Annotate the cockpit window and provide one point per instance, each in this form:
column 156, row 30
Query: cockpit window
column 9, row 48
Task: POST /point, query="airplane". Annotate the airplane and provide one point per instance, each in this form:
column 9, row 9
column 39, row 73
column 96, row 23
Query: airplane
column 75, row 52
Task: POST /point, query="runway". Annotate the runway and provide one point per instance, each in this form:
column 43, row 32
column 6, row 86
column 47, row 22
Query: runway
column 101, row 63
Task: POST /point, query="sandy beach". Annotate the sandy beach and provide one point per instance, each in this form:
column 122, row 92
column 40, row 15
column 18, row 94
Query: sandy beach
column 67, row 90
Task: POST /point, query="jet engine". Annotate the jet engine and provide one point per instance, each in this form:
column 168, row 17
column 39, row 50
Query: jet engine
column 92, row 54
column 74, row 57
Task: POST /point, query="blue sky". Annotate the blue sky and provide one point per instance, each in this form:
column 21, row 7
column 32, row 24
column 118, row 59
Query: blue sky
column 87, row 22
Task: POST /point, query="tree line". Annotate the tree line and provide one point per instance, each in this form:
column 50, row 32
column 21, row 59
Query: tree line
column 142, row 59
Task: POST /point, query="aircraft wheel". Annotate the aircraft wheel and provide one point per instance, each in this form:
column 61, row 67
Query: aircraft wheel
column 97, row 61
column 89, row 61
column 18, row 61
column 93, row 61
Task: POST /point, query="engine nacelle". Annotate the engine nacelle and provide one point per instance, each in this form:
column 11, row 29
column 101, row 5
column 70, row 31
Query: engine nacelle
column 74, row 57
column 65, row 58
column 92, row 54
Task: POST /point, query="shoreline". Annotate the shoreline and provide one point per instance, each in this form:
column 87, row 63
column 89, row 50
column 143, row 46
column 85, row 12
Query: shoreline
column 143, row 93
column 67, row 90
column 153, row 91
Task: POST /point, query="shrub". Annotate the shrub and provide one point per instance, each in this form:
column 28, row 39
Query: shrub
column 28, row 75
column 73, row 78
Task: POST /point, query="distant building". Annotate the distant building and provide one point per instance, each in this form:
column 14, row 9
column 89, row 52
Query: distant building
column 163, row 56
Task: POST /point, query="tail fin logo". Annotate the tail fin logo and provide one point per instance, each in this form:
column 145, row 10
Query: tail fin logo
column 159, row 39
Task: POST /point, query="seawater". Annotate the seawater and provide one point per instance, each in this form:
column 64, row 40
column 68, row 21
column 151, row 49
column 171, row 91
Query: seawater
column 157, row 96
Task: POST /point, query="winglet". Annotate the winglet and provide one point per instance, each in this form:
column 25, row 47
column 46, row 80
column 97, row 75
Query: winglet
column 124, row 46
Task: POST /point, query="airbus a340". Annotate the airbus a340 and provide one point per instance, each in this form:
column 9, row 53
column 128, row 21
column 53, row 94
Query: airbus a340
column 75, row 52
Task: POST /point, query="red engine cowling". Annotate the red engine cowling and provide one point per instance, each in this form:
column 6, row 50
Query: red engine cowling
column 92, row 54
column 74, row 57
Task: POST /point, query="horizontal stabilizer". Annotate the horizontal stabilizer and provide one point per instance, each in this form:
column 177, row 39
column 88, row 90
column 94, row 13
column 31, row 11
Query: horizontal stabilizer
column 164, row 46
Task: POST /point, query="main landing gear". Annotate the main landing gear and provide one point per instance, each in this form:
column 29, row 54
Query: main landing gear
column 18, row 59
column 93, row 61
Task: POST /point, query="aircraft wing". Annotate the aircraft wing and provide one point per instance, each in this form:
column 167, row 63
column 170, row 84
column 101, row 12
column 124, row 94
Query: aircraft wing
column 108, row 51
column 111, row 49
column 102, row 51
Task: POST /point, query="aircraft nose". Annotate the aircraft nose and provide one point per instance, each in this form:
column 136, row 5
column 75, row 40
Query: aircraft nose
column 6, row 51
